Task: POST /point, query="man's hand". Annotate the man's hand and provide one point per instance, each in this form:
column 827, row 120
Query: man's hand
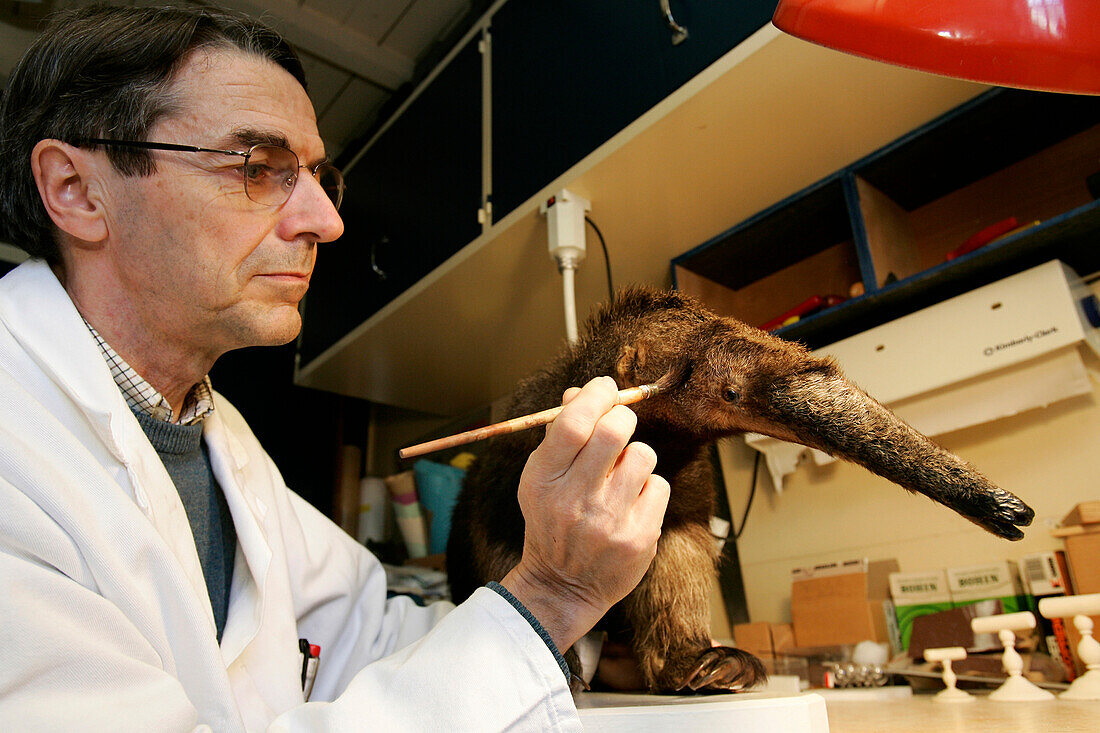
column 593, row 510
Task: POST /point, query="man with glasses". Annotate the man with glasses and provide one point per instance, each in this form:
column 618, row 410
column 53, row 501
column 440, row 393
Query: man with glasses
column 164, row 170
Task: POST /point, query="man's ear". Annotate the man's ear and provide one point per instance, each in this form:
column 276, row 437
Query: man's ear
column 68, row 184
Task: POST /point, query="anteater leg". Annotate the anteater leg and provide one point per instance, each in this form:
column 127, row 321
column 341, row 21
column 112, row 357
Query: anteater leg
column 670, row 614
column 493, row 560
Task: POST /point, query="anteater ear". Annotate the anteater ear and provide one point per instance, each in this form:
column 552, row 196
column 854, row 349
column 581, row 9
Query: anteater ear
column 631, row 362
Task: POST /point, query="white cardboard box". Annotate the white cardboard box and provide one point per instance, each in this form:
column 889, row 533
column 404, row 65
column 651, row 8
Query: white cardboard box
column 917, row 594
column 1000, row 325
column 1041, row 575
column 928, row 586
column 1007, row 347
column 1000, row 580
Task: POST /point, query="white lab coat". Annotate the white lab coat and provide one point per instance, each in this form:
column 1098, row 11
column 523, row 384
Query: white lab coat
column 105, row 622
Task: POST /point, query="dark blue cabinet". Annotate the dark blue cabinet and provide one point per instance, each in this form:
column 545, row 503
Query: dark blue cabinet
column 566, row 76
column 570, row 74
column 412, row 202
column 894, row 221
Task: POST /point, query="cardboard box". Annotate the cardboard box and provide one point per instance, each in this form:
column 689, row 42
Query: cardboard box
column 1087, row 512
column 841, row 603
column 952, row 628
column 755, row 638
column 992, row 581
column 1037, row 314
column 1041, row 575
column 893, row 632
column 1083, row 558
column 1000, row 582
column 782, row 638
column 917, row 594
column 764, row 639
column 1012, row 333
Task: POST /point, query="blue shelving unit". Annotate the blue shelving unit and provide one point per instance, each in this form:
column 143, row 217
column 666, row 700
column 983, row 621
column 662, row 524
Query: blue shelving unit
column 960, row 149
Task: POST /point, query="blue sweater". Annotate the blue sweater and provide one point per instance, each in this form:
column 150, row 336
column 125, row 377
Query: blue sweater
column 184, row 454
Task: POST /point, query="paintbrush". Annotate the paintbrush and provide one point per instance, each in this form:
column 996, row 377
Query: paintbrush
column 625, row 397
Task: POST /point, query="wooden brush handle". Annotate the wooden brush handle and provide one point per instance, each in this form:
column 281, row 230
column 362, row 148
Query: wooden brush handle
column 626, row 397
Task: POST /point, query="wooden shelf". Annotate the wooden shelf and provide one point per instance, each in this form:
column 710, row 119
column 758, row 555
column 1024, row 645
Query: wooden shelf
column 764, row 122
column 1070, row 237
column 898, row 214
column 743, row 273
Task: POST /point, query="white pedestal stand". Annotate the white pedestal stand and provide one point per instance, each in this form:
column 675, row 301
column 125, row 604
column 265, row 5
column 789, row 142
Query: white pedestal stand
column 1016, row 687
column 1087, row 686
column 945, row 655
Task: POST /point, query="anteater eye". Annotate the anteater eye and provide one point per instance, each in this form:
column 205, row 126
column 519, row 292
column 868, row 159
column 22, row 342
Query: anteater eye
column 730, row 395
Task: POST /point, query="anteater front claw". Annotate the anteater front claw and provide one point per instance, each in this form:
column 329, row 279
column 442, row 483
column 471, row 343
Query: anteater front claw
column 724, row 669
column 1007, row 531
column 996, row 511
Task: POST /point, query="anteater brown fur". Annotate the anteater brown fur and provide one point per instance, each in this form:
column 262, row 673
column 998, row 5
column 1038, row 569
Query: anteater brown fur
column 666, row 619
column 731, row 378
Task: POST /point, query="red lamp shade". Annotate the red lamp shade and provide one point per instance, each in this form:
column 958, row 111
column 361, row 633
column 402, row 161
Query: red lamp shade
column 1052, row 45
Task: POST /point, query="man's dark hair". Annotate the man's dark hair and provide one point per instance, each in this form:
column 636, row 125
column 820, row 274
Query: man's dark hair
column 105, row 72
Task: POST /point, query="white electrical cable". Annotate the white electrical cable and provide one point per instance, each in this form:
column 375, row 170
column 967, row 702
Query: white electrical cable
column 570, row 298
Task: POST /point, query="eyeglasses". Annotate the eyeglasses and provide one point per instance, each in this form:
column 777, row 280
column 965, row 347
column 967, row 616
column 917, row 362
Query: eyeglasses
column 270, row 172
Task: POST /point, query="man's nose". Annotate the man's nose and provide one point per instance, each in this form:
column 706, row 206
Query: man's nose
column 313, row 213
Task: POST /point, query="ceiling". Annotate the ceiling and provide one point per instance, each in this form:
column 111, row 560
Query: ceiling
column 358, row 54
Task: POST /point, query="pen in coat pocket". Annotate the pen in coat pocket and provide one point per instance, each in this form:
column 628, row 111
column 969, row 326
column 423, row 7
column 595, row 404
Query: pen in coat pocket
column 308, row 655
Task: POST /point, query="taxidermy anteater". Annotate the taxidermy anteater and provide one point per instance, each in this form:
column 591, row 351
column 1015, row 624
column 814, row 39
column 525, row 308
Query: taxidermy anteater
column 729, row 378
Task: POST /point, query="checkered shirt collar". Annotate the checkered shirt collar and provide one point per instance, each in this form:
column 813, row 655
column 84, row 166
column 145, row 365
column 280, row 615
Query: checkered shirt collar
column 143, row 397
